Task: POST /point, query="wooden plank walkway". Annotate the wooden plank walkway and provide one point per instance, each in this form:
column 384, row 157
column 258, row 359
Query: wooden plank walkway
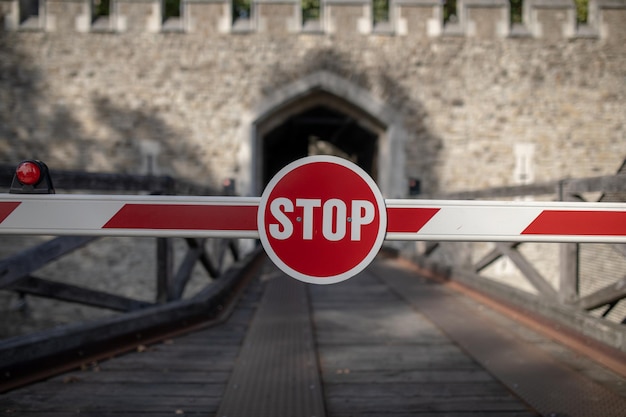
column 381, row 346
column 184, row 376
column 379, row 356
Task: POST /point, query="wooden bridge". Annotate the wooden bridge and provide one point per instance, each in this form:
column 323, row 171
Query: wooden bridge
column 402, row 338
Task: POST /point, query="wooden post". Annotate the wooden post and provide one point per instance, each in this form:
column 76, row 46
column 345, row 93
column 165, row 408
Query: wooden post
column 165, row 270
column 569, row 261
column 568, row 284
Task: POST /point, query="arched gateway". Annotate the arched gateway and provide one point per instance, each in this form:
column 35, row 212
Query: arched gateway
column 323, row 113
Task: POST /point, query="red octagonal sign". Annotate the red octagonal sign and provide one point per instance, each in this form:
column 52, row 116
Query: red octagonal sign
column 322, row 219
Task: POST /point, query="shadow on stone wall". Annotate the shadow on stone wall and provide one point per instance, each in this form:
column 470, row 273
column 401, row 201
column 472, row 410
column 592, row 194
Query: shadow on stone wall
column 20, row 84
column 422, row 148
column 37, row 123
column 33, row 123
column 69, row 127
column 134, row 135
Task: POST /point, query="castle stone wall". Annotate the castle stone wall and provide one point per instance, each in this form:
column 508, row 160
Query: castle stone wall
column 461, row 104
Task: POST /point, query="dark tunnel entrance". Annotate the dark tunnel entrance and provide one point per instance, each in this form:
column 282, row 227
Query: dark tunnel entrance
column 319, row 130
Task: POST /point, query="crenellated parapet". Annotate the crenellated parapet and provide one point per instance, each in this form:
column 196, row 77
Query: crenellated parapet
column 550, row 19
column 67, row 16
column 136, row 15
column 421, row 18
column 608, row 18
column 278, row 16
column 483, row 19
column 207, row 16
column 22, row 14
column 346, row 17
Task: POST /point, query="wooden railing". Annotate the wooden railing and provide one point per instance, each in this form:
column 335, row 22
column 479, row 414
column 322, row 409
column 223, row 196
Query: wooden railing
column 16, row 271
column 219, row 258
column 589, row 300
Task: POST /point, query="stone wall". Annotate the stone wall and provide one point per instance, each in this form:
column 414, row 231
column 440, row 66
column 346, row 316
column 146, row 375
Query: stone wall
column 465, row 105
column 462, row 97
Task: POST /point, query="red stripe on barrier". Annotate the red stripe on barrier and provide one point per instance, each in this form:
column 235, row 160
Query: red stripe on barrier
column 184, row 217
column 408, row 219
column 588, row 223
column 7, row 208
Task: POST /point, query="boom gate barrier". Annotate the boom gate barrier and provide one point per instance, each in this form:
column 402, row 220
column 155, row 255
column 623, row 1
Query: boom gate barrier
column 321, row 219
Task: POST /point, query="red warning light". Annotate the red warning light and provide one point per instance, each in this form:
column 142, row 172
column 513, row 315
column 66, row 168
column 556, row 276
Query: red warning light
column 28, row 173
column 31, row 177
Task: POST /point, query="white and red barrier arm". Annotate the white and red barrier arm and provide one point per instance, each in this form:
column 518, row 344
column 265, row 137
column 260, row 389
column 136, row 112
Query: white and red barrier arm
column 513, row 221
column 161, row 216
column 451, row 220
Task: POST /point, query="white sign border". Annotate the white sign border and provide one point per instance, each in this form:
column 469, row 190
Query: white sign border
column 382, row 213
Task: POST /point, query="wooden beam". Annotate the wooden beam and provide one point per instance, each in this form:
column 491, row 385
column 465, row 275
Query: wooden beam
column 430, row 248
column 606, row 295
column 203, row 257
column 607, row 184
column 529, row 271
column 17, row 353
column 234, row 249
column 183, row 275
column 620, row 248
column 75, row 294
column 229, row 245
column 492, row 256
column 546, row 188
column 24, row 263
column 569, row 272
column 98, row 181
column 165, row 270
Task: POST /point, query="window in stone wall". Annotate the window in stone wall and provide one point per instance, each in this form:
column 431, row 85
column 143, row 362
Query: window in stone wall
column 524, row 170
column 172, row 21
column 311, row 15
column 29, row 13
column 171, row 8
column 380, row 16
column 310, row 10
column 242, row 16
column 381, row 11
column 516, row 11
column 101, row 10
column 449, row 11
column 582, row 9
column 241, row 10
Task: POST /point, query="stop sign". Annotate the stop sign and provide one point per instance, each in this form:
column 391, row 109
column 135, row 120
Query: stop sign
column 322, row 219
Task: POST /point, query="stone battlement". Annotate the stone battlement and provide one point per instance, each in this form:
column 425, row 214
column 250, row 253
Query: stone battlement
column 542, row 19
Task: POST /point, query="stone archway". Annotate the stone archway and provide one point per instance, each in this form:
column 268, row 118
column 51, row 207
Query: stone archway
column 323, row 128
column 324, row 111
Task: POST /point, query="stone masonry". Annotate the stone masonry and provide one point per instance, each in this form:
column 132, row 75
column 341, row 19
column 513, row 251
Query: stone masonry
column 463, row 95
column 464, row 105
